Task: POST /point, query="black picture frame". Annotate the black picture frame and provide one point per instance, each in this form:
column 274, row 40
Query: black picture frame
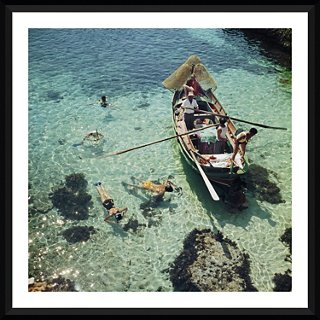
column 312, row 9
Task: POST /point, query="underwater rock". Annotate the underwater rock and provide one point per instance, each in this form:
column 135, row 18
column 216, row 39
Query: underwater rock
column 235, row 197
column 71, row 200
column 287, row 238
column 54, row 95
column 210, row 262
column 283, row 282
column 76, row 182
column 78, row 233
column 54, row 285
column 154, row 222
column 39, row 203
column 147, row 211
column 62, row 141
column 154, row 215
column 281, row 37
column 257, row 181
column 144, row 105
column 134, row 225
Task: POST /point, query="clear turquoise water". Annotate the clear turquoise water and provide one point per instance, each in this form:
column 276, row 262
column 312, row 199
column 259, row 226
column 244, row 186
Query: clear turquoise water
column 69, row 69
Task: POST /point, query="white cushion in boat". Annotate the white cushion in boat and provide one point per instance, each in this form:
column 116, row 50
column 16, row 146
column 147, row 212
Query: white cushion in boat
column 221, row 160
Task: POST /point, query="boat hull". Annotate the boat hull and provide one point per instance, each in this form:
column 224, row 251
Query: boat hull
column 221, row 175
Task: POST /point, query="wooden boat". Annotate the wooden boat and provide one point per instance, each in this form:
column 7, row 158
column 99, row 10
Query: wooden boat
column 200, row 147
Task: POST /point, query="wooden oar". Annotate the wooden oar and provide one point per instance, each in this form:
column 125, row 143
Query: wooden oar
column 158, row 141
column 232, row 118
column 202, row 157
column 211, row 190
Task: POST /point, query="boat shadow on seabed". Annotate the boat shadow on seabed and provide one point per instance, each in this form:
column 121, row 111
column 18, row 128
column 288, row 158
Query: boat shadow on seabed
column 233, row 201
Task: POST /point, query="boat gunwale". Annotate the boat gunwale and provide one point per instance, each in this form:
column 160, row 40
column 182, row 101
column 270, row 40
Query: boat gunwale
column 218, row 174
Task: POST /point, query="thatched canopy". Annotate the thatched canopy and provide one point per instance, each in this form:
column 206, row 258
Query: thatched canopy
column 191, row 66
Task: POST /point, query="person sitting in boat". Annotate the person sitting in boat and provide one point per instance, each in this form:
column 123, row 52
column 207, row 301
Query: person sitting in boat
column 221, row 143
column 241, row 141
column 202, row 122
column 192, row 85
column 108, row 204
column 189, row 106
column 157, row 190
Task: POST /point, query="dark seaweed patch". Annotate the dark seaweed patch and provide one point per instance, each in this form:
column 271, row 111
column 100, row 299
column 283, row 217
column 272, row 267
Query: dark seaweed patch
column 76, row 182
column 258, row 182
column 78, row 233
column 210, row 262
column 134, row 225
column 72, row 200
column 283, row 282
column 54, row 95
column 54, row 285
column 287, row 238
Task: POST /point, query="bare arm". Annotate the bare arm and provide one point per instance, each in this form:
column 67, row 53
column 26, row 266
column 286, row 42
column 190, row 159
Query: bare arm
column 113, row 212
column 219, row 131
column 188, row 87
column 106, row 219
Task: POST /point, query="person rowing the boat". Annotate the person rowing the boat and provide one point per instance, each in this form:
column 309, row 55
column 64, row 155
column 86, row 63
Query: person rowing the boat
column 157, row 190
column 241, row 142
column 189, row 106
column 108, row 204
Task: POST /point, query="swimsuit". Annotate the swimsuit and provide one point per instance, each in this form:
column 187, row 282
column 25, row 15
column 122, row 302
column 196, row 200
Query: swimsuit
column 147, row 184
column 108, row 204
column 243, row 139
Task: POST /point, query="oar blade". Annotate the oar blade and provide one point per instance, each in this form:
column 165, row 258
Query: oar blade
column 207, row 182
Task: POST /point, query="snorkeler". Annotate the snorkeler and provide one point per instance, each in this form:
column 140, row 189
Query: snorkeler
column 157, row 190
column 103, row 101
column 108, row 204
column 93, row 136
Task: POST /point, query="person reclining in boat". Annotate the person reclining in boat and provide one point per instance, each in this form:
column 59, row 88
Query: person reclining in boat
column 221, row 143
column 202, row 122
column 157, row 190
column 206, row 138
column 241, row 142
column 108, row 204
column 189, row 106
column 192, row 85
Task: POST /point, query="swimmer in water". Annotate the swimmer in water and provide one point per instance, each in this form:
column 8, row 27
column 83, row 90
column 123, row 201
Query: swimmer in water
column 157, row 190
column 108, row 204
